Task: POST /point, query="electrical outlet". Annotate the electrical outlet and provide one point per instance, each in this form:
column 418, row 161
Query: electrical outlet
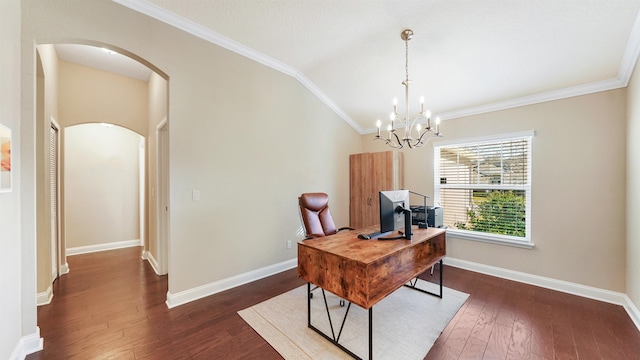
column 288, row 244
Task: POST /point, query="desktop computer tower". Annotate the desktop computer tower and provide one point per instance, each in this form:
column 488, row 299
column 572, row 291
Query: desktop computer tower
column 433, row 216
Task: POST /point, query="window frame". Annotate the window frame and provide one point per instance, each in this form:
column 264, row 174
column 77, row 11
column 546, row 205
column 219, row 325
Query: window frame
column 524, row 242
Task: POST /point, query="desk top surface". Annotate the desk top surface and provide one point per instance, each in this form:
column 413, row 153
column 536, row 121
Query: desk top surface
column 347, row 244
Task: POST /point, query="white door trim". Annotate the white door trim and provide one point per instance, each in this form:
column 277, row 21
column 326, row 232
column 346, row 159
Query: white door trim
column 162, row 199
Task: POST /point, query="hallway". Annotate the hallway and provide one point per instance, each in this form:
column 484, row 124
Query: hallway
column 111, row 305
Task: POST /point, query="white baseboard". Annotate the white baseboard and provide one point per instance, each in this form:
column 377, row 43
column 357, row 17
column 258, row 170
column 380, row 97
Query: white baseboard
column 64, row 269
column 545, row 282
column 608, row 296
column 199, row 292
column 102, row 247
column 146, row 255
column 553, row 284
column 633, row 311
column 44, row 298
column 28, row 344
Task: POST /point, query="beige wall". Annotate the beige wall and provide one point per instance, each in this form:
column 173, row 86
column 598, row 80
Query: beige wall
column 49, row 61
column 633, row 190
column 89, row 95
column 75, row 94
column 157, row 113
column 249, row 138
column 102, row 185
column 578, row 188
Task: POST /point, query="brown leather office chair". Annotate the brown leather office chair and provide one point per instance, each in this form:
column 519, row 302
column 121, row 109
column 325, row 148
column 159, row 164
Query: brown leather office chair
column 316, row 216
column 317, row 220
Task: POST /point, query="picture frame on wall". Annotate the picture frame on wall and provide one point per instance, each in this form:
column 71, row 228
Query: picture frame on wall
column 5, row 159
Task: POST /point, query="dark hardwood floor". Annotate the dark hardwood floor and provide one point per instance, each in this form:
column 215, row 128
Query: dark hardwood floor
column 112, row 306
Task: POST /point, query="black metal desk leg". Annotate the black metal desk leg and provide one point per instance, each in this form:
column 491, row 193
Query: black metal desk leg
column 308, row 304
column 371, row 333
column 440, row 278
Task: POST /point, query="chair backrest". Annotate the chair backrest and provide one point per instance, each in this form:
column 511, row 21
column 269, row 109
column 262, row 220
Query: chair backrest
column 316, row 217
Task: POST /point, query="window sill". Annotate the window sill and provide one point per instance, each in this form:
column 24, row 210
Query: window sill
column 490, row 238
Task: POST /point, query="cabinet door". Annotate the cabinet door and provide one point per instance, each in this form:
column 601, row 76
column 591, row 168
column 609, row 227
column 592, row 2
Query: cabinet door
column 359, row 175
column 371, row 173
column 381, row 179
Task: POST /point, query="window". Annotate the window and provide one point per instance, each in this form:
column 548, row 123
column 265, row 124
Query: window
column 484, row 187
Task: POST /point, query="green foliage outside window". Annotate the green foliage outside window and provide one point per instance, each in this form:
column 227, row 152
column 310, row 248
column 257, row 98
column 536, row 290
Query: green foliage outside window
column 496, row 212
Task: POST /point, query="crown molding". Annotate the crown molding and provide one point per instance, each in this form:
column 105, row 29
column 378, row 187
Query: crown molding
column 627, row 66
column 327, row 101
column 631, row 53
column 604, row 85
column 146, row 8
column 559, row 94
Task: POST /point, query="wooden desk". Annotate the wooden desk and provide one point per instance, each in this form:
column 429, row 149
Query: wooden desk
column 364, row 272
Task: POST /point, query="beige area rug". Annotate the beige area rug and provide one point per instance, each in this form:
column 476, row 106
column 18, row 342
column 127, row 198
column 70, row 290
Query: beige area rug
column 405, row 324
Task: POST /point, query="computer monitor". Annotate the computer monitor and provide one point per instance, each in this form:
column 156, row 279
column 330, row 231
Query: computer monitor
column 394, row 211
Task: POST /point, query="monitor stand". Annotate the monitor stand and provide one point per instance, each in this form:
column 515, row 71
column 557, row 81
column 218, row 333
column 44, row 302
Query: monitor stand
column 407, row 224
column 374, row 235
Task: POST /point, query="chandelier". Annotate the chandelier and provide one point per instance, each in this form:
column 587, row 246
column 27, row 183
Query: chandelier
column 411, row 127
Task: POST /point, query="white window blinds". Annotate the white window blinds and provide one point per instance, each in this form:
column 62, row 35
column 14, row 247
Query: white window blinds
column 484, row 186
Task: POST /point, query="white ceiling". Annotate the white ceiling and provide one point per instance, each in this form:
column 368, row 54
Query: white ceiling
column 103, row 59
column 465, row 57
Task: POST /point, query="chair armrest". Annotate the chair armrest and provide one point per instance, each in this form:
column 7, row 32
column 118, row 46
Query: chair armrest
column 312, row 237
column 345, row 228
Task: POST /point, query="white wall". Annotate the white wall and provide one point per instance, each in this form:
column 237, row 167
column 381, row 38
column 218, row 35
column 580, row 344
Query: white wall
column 578, row 188
column 102, row 185
column 633, row 190
column 13, row 279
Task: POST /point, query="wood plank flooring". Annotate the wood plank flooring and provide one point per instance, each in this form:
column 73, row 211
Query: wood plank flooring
column 112, row 306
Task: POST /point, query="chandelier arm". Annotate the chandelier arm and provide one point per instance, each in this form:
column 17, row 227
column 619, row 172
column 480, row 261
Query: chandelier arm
column 388, row 142
column 422, row 136
column 400, row 145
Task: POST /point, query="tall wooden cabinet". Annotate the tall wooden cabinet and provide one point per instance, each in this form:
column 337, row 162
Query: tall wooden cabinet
column 370, row 173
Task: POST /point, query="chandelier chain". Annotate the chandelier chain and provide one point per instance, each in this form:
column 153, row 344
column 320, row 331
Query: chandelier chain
column 406, row 60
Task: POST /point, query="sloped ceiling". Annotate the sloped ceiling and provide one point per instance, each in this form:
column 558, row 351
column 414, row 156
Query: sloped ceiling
column 465, row 57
